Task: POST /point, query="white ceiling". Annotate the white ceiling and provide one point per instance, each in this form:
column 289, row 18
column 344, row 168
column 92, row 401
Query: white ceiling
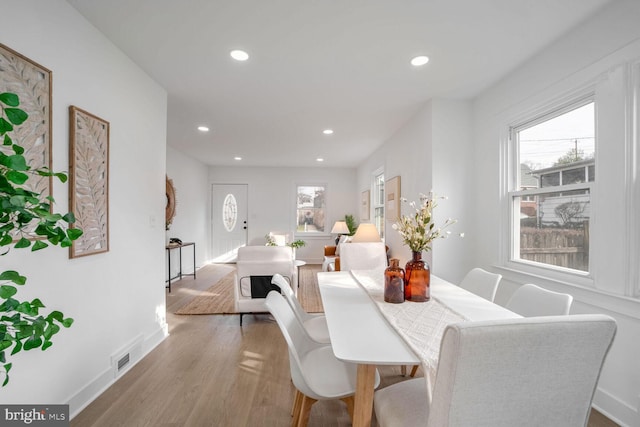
column 317, row 64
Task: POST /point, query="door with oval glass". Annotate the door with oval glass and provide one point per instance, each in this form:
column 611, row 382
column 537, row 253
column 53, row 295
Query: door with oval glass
column 228, row 220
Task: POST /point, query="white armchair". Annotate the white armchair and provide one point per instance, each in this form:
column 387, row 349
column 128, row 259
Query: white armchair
column 255, row 261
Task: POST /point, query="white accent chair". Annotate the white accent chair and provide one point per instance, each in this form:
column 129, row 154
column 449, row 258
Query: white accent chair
column 482, row 283
column 529, row 372
column 260, row 261
column 315, row 324
column 530, row 300
column 363, row 256
column 315, row 371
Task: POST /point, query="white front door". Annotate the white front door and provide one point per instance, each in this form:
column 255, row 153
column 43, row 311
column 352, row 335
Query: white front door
column 228, row 220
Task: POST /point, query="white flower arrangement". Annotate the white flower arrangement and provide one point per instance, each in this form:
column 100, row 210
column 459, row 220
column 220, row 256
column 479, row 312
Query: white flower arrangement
column 418, row 231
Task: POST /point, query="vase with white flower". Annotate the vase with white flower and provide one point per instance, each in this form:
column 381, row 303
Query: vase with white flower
column 418, row 231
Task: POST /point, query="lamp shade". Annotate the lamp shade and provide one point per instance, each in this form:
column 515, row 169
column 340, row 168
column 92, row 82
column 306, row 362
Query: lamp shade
column 340, row 227
column 366, row 233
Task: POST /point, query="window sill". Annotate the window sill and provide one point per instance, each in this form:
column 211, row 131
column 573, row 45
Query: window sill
column 582, row 289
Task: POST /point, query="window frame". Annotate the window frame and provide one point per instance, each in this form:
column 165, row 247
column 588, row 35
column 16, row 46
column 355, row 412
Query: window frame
column 374, row 206
column 311, row 234
column 513, row 193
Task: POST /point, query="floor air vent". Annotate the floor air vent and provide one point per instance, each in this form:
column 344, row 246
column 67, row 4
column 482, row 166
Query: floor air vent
column 122, row 360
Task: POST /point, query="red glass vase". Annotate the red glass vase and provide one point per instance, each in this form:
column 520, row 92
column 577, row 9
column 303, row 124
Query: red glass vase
column 417, row 278
column 394, row 282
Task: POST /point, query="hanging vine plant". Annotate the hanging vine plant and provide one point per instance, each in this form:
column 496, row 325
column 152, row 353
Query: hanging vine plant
column 23, row 325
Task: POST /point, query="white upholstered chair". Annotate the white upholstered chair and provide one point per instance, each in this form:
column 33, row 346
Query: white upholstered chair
column 363, row 256
column 257, row 264
column 529, row 372
column 482, row 283
column 530, row 300
column 315, row 324
column 315, row 371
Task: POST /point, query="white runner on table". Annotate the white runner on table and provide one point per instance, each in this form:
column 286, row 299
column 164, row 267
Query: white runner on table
column 421, row 325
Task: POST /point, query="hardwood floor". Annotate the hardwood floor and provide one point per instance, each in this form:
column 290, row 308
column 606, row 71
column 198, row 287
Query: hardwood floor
column 212, row 372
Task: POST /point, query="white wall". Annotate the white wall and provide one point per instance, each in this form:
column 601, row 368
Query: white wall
column 603, row 52
column 272, row 198
column 114, row 297
column 190, row 223
column 431, row 152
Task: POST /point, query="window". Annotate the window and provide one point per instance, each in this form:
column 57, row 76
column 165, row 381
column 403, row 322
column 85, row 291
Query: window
column 551, row 192
column 310, row 208
column 378, row 203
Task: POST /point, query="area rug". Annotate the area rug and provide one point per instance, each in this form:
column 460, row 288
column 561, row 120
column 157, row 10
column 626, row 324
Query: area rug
column 218, row 299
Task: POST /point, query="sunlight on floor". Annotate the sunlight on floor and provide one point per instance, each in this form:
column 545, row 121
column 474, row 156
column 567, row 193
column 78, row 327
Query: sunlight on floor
column 252, row 363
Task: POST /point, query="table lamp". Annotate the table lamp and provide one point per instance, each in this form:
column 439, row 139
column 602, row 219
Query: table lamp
column 339, row 228
column 366, row 233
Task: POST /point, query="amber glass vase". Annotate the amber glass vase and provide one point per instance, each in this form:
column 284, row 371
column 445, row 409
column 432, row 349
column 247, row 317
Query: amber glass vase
column 417, row 279
column 394, row 282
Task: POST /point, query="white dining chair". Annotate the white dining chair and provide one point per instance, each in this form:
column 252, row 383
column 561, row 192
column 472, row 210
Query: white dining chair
column 528, row 372
column 482, row 283
column 315, row 371
column 315, row 324
column 531, row 300
column 363, row 256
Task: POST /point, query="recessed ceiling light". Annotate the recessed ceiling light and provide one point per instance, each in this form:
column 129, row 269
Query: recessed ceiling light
column 237, row 158
column 419, row 61
column 239, row 55
column 327, row 131
column 203, row 129
column 319, row 159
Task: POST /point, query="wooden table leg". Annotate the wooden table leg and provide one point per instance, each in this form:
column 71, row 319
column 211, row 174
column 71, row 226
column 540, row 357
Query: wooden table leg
column 365, row 384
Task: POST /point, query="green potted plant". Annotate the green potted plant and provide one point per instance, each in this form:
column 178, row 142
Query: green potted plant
column 351, row 224
column 23, row 324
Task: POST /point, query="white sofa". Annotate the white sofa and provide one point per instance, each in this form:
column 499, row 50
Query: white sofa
column 260, row 261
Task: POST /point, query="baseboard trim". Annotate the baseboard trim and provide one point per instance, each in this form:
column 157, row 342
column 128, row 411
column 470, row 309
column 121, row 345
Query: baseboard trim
column 105, row 379
column 608, row 405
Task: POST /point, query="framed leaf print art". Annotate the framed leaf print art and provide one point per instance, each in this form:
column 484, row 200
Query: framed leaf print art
column 89, row 181
column 32, row 83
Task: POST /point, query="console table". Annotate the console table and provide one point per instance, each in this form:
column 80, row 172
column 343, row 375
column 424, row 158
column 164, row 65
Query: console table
column 179, row 247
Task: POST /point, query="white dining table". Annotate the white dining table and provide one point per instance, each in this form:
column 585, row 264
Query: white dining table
column 361, row 334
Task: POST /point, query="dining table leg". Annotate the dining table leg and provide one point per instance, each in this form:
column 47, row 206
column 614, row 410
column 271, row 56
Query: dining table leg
column 365, row 384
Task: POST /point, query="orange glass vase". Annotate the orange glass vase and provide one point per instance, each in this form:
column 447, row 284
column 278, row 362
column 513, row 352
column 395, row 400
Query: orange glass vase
column 394, row 282
column 417, row 278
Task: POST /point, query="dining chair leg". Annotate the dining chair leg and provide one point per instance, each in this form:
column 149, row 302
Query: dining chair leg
column 295, row 409
column 403, row 370
column 350, row 401
column 305, row 411
column 414, row 370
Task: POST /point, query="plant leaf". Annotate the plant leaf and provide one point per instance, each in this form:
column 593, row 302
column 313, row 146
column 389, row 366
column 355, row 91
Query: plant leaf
column 13, row 276
column 16, row 148
column 16, row 115
column 16, row 162
column 39, row 244
column 17, row 348
column 10, row 99
column 7, row 291
column 32, row 342
column 18, row 178
column 5, row 126
column 74, row 233
column 22, row 243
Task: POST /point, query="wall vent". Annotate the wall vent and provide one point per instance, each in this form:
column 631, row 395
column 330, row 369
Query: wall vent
column 123, row 359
